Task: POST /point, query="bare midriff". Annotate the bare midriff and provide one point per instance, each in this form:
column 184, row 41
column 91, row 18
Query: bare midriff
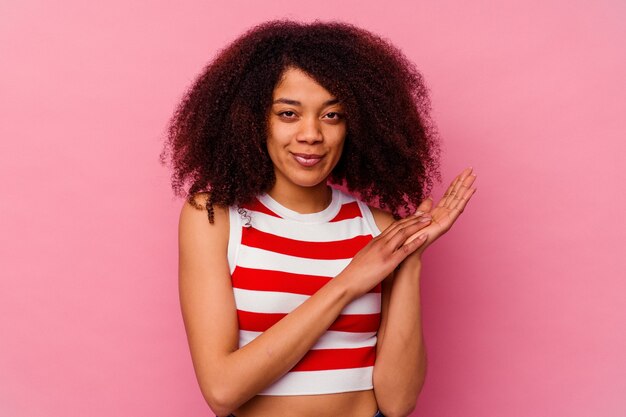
column 348, row 404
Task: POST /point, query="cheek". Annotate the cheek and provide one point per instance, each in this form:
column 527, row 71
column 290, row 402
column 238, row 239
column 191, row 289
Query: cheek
column 275, row 150
column 278, row 137
column 272, row 151
column 339, row 144
column 339, row 153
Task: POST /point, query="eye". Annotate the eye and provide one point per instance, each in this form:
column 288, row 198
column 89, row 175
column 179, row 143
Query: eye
column 288, row 114
column 334, row 115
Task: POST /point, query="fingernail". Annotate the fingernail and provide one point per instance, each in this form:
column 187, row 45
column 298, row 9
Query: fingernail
column 418, row 213
column 425, row 219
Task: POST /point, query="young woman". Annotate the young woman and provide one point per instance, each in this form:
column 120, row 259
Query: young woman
column 300, row 299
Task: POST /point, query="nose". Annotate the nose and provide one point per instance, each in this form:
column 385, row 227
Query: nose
column 309, row 131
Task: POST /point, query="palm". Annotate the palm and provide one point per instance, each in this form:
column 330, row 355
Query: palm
column 449, row 207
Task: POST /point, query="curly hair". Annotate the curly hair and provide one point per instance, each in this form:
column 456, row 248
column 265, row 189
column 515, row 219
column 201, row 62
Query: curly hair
column 216, row 138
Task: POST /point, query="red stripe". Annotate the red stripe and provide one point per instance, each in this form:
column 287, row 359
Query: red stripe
column 348, row 211
column 279, row 281
column 256, row 205
column 324, row 359
column 338, row 249
column 355, row 323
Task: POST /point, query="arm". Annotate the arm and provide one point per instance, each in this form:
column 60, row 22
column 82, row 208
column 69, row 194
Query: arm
column 400, row 353
column 400, row 367
column 228, row 376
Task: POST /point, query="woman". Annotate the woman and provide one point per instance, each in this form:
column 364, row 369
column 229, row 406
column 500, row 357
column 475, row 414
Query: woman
column 294, row 301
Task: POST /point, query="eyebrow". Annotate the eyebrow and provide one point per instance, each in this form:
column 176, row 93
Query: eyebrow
column 297, row 103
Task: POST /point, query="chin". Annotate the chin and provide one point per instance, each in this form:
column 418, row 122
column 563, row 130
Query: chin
column 309, row 183
column 307, row 179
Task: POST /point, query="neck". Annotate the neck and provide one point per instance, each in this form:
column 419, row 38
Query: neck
column 303, row 200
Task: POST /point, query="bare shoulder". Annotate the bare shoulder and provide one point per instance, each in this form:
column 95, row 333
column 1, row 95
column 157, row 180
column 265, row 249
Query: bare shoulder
column 382, row 218
column 194, row 218
column 199, row 240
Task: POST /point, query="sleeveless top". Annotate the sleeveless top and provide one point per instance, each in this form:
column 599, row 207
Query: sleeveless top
column 278, row 258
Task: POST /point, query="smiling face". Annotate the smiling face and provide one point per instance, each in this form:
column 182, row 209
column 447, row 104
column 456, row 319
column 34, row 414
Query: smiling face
column 306, row 131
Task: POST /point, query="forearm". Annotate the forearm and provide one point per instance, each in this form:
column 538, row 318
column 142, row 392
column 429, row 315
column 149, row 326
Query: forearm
column 401, row 357
column 247, row 371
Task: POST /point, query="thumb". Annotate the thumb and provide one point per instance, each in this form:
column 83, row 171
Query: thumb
column 426, row 205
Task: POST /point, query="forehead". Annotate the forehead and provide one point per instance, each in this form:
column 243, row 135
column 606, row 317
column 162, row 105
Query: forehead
column 297, row 85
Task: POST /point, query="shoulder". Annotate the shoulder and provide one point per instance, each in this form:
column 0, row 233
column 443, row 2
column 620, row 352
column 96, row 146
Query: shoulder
column 194, row 220
column 382, row 218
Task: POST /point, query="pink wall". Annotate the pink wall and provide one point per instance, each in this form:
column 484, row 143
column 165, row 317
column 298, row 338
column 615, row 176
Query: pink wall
column 523, row 300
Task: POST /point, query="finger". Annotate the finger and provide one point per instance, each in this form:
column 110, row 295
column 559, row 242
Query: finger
column 450, row 191
column 400, row 223
column 414, row 236
column 466, row 184
column 410, row 247
column 446, row 195
column 402, row 234
column 404, row 223
column 390, row 229
column 467, row 171
column 454, row 189
column 463, row 202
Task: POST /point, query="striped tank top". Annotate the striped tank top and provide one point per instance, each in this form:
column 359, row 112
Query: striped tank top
column 278, row 258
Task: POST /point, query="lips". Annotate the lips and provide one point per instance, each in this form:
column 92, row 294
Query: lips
column 307, row 160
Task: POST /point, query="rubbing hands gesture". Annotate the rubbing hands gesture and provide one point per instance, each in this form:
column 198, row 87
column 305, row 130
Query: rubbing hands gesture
column 447, row 210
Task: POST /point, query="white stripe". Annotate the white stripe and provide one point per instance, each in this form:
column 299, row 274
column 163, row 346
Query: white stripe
column 369, row 218
column 319, row 232
column 322, row 382
column 234, row 237
column 284, row 302
column 250, row 257
column 330, row 340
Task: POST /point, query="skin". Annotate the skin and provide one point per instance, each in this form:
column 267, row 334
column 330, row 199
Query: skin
column 229, row 377
column 300, row 122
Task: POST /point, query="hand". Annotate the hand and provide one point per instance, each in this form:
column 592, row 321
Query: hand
column 447, row 210
column 384, row 253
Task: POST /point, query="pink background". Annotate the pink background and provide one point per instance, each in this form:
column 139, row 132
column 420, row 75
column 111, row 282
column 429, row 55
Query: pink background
column 523, row 301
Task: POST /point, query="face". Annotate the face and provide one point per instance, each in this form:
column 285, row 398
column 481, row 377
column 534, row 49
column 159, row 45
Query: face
column 307, row 129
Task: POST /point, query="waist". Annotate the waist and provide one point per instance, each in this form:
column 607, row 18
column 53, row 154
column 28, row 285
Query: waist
column 345, row 404
column 378, row 414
